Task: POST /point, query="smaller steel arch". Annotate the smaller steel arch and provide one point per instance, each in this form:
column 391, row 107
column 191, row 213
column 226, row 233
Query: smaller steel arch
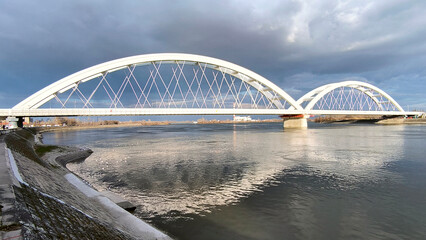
column 309, row 96
column 315, row 95
column 258, row 82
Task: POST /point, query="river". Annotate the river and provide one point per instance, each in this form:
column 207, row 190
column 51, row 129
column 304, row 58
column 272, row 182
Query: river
column 258, row 181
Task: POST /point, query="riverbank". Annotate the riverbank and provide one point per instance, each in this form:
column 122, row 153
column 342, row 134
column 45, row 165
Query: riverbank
column 347, row 119
column 97, row 126
column 214, row 121
column 46, row 201
column 147, row 123
column 396, row 121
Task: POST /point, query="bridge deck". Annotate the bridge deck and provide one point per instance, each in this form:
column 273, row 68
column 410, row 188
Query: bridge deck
column 56, row 112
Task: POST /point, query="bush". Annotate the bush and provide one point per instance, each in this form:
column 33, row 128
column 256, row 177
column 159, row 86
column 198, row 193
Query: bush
column 43, row 149
column 109, row 122
column 66, row 121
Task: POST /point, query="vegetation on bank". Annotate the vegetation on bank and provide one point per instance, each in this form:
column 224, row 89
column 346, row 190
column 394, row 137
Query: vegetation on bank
column 214, row 121
column 369, row 118
column 346, row 118
column 73, row 122
column 22, row 141
column 41, row 150
column 63, row 123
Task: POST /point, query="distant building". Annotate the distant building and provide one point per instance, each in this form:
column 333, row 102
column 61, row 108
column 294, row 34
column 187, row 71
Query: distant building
column 242, row 118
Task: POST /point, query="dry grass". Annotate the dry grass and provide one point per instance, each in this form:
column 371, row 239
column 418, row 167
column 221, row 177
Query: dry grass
column 341, row 118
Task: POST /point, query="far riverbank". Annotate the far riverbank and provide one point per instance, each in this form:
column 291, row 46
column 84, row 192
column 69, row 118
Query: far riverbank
column 347, row 119
column 98, row 125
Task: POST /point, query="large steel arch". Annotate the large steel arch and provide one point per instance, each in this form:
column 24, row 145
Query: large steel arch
column 374, row 93
column 260, row 83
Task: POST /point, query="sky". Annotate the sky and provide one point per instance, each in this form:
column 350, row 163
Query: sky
column 299, row 44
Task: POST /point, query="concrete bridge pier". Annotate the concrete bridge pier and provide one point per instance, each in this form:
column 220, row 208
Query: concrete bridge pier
column 295, row 122
column 15, row 122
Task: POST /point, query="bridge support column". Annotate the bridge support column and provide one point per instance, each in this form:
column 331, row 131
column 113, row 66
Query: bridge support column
column 299, row 122
column 15, row 122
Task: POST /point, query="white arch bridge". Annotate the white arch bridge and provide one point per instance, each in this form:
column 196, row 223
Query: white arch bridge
column 186, row 84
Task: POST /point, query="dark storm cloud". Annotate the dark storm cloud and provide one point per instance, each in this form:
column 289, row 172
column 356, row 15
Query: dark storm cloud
column 298, row 45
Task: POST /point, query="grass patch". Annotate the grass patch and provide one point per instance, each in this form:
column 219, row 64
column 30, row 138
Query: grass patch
column 22, row 142
column 21, row 146
column 41, row 150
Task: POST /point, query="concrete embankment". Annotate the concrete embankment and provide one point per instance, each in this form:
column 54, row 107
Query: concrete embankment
column 41, row 199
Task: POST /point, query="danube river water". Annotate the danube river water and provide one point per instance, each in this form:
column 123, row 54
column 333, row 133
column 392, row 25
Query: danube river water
column 258, row 181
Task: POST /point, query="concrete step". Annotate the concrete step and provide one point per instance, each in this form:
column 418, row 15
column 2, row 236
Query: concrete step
column 117, row 199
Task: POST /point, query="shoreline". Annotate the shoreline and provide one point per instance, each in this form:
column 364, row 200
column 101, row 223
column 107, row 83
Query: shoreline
column 403, row 121
column 100, row 126
column 113, row 203
column 148, row 123
column 48, row 190
column 390, row 121
column 372, row 120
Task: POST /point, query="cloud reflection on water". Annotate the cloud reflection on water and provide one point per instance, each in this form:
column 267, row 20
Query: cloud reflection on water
column 191, row 172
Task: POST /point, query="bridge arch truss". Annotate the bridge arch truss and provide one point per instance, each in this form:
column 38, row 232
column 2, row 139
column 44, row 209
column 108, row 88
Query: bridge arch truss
column 349, row 96
column 168, row 83
column 187, row 84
